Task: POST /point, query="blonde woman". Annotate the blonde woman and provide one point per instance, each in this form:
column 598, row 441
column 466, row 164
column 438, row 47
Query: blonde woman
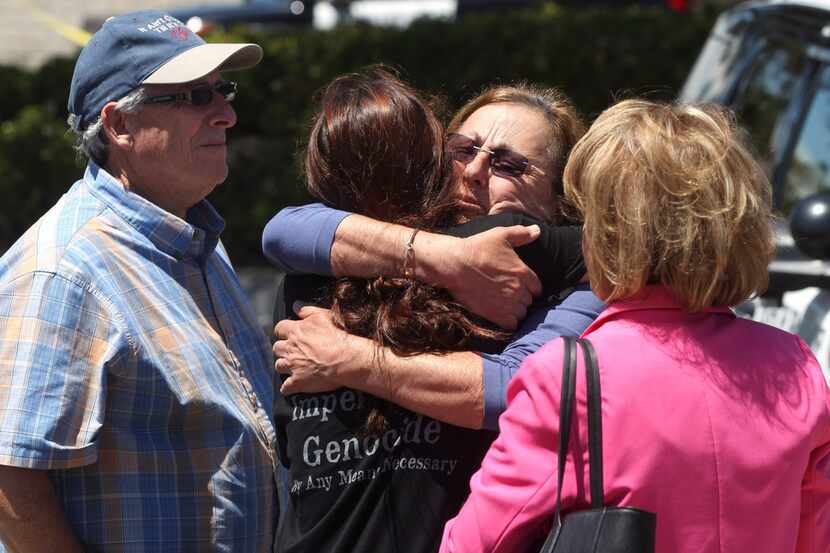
column 718, row 424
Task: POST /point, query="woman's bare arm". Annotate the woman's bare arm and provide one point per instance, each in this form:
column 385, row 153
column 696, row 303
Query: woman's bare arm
column 482, row 272
column 321, row 357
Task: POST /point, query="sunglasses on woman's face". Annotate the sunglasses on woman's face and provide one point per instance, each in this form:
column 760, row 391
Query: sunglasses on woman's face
column 201, row 95
column 503, row 161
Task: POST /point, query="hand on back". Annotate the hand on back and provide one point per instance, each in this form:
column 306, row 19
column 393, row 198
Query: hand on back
column 487, row 276
column 313, row 351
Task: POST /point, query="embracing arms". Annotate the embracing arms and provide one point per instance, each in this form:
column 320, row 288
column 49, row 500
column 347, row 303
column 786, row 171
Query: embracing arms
column 482, row 272
column 462, row 388
column 319, row 356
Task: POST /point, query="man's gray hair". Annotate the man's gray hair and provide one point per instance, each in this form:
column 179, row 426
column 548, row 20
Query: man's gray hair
column 90, row 142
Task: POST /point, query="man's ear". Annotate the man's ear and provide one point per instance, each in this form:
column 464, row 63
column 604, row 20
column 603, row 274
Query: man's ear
column 115, row 127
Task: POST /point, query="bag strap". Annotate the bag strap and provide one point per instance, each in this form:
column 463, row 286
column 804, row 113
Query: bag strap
column 594, row 422
column 566, row 405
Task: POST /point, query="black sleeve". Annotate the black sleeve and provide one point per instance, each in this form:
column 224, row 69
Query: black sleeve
column 555, row 257
column 313, row 289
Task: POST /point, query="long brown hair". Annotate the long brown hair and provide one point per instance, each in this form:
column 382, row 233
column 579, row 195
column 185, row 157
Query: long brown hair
column 377, row 148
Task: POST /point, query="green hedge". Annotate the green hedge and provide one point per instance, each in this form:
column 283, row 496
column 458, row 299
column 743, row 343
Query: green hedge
column 594, row 56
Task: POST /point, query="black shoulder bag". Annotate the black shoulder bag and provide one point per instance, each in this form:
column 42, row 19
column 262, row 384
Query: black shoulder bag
column 599, row 529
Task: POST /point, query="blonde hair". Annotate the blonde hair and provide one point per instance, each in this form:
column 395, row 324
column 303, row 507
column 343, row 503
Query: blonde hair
column 670, row 194
column 565, row 125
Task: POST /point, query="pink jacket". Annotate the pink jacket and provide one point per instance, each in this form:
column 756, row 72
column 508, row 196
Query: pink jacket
column 718, row 424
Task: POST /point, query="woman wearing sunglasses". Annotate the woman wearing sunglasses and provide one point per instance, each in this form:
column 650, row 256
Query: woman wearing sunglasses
column 510, row 144
column 364, row 474
column 711, row 421
column 515, row 123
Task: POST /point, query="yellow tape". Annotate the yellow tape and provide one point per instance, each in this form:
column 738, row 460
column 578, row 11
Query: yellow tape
column 69, row 32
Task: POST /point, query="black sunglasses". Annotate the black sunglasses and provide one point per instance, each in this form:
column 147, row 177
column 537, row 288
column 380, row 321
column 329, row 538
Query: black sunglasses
column 201, row 95
column 503, row 161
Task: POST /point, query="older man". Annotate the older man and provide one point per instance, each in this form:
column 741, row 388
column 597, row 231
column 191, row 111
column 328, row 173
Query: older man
column 137, row 390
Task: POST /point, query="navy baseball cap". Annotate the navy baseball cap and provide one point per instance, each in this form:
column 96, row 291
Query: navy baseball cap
column 145, row 47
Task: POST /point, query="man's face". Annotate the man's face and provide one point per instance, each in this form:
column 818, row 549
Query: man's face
column 179, row 148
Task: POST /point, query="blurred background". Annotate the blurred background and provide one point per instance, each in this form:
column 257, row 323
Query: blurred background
column 768, row 60
column 594, row 51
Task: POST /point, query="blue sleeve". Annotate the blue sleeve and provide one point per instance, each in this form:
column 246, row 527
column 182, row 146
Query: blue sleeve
column 57, row 339
column 569, row 318
column 299, row 239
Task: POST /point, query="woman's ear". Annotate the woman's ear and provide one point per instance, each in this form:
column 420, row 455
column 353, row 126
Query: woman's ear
column 115, row 127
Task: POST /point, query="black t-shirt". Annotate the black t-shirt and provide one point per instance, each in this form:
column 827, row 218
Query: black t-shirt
column 353, row 491
column 555, row 256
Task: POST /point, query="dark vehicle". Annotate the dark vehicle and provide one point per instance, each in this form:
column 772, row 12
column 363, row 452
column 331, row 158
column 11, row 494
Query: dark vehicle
column 677, row 5
column 469, row 7
column 257, row 13
column 201, row 19
column 770, row 62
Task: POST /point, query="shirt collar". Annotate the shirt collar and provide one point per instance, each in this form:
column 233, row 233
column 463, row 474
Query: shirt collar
column 195, row 237
column 651, row 297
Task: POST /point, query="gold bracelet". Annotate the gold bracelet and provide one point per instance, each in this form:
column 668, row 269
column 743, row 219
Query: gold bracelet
column 409, row 256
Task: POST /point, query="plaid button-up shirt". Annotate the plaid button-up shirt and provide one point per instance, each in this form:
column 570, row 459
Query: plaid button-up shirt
column 133, row 370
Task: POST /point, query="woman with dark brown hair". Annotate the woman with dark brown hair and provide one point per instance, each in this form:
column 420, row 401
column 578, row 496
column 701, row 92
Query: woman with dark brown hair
column 508, row 145
column 364, row 474
column 377, row 148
